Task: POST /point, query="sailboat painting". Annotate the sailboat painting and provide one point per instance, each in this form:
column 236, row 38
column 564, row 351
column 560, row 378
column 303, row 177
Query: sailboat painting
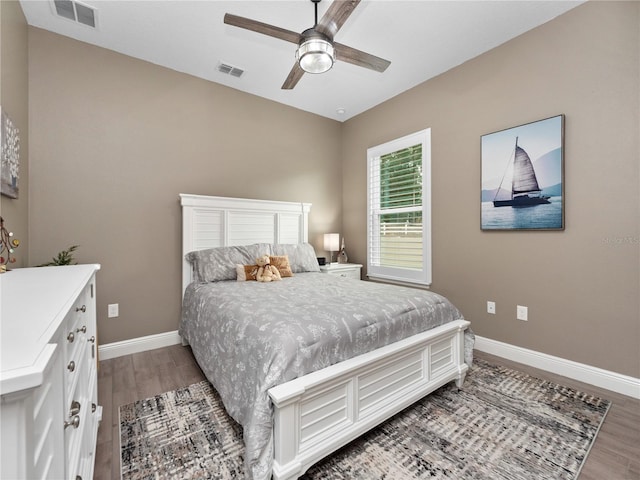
column 523, row 176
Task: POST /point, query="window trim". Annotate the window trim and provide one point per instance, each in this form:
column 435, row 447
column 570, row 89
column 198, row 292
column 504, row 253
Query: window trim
column 395, row 274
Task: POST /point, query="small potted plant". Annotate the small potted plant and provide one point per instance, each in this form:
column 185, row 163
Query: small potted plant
column 65, row 257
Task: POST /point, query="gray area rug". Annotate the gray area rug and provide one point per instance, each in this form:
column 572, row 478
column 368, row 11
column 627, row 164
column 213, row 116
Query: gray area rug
column 503, row 424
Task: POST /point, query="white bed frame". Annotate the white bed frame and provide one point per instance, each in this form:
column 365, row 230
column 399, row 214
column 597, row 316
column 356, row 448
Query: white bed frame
column 320, row 412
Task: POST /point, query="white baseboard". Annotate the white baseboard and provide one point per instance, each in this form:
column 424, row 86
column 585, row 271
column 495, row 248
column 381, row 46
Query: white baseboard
column 613, row 381
column 136, row 345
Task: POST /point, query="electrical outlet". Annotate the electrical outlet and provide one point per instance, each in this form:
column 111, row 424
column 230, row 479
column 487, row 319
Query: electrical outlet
column 522, row 313
column 113, row 310
column 491, row 308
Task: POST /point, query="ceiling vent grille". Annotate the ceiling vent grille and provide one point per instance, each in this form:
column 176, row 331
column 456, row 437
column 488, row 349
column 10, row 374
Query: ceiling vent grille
column 230, row 70
column 76, row 11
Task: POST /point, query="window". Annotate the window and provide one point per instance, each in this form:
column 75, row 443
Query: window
column 399, row 209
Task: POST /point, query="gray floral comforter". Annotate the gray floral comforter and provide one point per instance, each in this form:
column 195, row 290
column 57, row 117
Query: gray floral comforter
column 249, row 336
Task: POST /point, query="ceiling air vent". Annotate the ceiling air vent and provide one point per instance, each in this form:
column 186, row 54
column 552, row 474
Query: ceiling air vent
column 230, row 70
column 76, row 11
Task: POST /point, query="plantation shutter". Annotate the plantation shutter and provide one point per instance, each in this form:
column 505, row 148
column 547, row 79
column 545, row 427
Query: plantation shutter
column 399, row 231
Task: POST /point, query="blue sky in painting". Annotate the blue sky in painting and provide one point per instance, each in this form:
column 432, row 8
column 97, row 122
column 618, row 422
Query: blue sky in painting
column 537, row 139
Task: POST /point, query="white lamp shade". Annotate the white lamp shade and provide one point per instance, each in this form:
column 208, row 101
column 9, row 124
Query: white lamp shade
column 332, row 242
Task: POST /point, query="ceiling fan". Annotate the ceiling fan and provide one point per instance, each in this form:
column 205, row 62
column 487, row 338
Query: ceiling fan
column 316, row 51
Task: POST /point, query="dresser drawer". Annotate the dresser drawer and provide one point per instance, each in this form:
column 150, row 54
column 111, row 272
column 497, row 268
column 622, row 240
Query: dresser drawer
column 74, row 365
column 73, row 345
column 82, row 417
column 76, row 412
column 79, row 338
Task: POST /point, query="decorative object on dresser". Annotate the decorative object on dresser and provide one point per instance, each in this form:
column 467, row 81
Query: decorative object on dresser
column 331, row 244
column 48, row 373
column 349, row 270
column 7, row 245
column 65, row 257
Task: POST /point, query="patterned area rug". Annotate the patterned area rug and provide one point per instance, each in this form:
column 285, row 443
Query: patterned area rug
column 503, row 424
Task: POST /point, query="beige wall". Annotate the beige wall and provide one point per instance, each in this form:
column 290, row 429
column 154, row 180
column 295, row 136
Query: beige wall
column 581, row 285
column 114, row 140
column 14, row 99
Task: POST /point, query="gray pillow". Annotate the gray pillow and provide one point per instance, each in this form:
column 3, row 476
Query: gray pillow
column 302, row 256
column 217, row 264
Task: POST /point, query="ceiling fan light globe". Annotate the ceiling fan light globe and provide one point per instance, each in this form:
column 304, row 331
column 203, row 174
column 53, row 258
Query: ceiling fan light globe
column 315, row 55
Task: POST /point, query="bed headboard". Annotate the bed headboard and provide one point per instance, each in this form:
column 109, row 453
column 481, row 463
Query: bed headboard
column 209, row 222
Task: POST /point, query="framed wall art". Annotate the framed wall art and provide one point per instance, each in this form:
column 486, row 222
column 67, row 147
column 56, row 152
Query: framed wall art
column 10, row 161
column 523, row 177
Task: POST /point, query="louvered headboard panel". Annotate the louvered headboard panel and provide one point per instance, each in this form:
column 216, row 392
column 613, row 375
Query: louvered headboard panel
column 209, row 222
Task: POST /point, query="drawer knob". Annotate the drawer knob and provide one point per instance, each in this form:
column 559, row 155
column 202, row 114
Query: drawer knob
column 82, row 309
column 71, row 337
column 93, row 407
column 75, row 408
column 92, row 339
column 75, row 422
column 72, row 366
column 83, row 329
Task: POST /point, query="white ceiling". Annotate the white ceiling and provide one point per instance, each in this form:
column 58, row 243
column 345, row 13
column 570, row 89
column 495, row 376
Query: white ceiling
column 421, row 38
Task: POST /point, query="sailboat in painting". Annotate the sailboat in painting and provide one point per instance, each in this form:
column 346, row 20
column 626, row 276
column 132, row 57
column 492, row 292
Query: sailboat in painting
column 525, row 191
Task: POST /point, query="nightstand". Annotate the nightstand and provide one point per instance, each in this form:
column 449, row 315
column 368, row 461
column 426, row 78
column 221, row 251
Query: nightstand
column 349, row 270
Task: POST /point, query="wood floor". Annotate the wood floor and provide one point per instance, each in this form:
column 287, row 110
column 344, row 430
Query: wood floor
column 614, row 456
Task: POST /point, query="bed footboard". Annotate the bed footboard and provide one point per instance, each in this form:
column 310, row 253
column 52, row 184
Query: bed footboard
column 320, row 412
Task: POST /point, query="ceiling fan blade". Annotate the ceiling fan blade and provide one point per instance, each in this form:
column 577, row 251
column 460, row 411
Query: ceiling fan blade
column 294, row 77
column 338, row 13
column 360, row 58
column 263, row 28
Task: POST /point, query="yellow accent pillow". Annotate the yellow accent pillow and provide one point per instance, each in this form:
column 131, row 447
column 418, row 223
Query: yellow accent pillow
column 246, row 272
column 281, row 262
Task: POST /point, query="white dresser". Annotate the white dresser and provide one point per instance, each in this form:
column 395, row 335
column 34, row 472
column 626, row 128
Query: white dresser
column 49, row 413
column 349, row 270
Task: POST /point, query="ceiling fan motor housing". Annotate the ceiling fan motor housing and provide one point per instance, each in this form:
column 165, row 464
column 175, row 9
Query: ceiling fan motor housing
column 315, row 54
